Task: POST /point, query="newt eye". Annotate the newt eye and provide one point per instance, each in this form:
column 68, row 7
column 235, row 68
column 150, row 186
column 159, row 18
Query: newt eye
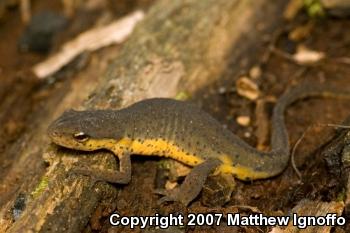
column 81, row 136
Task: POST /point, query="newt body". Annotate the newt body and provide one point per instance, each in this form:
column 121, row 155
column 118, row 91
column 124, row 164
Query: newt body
column 182, row 131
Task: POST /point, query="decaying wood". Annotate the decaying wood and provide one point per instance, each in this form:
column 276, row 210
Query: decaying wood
column 337, row 156
column 180, row 45
column 312, row 208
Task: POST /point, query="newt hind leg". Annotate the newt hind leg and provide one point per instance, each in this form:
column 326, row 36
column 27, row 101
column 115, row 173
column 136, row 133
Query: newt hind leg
column 192, row 184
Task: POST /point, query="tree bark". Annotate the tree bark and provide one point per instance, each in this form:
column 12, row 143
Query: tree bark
column 180, row 46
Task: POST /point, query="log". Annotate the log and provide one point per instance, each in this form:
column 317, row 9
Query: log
column 179, row 46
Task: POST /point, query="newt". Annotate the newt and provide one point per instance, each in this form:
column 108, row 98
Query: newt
column 181, row 131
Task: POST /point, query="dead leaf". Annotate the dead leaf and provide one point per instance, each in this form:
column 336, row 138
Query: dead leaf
column 243, row 120
column 292, row 9
column 305, row 56
column 91, row 40
column 247, row 88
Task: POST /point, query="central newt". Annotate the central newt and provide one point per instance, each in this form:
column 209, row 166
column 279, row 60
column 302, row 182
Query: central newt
column 181, row 131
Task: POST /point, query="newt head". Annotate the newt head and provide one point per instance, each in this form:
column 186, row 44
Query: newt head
column 86, row 130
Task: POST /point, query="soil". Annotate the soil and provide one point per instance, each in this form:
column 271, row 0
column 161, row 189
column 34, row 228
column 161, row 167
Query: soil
column 22, row 96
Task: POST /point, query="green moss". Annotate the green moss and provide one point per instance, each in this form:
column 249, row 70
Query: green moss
column 341, row 195
column 182, row 96
column 314, row 8
column 41, row 187
column 164, row 164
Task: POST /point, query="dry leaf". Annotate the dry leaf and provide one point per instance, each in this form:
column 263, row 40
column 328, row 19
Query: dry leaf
column 91, row 40
column 247, row 88
column 305, row 56
column 292, row 9
column 255, row 72
column 301, row 32
column 243, row 120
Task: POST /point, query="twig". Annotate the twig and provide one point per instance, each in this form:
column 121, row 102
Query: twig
column 342, row 60
column 267, row 54
column 302, row 137
column 25, row 10
column 336, row 125
column 283, row 54
column 293, row 154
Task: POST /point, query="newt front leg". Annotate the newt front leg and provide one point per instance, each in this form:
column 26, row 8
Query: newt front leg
column 123, row 176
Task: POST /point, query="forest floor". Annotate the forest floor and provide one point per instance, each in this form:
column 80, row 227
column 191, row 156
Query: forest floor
column 22, row 95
